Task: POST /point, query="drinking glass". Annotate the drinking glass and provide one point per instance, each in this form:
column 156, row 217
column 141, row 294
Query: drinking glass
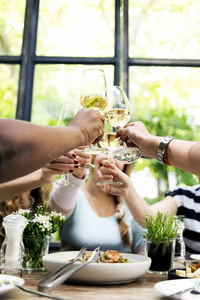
column 92, row 95
column 110, row 142
column 66, row 115
column 118, row 113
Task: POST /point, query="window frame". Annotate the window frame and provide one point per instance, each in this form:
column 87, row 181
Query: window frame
column 121, row 60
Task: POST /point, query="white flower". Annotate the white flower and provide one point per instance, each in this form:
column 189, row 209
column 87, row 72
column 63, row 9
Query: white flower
column 55, row 214
column 24, row 211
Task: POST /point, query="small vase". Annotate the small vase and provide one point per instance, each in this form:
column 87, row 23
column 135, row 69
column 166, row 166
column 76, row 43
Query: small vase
column 162, row 256
column 36, row 246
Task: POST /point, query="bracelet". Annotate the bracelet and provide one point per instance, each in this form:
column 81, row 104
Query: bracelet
column 165, row 159
column 161, row 152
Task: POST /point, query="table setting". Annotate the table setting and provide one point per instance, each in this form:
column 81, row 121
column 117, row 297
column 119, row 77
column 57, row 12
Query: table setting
column 70, row 275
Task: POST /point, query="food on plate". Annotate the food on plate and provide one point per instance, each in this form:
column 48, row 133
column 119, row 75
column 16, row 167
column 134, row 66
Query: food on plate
column 109, row 256
column 192, row 271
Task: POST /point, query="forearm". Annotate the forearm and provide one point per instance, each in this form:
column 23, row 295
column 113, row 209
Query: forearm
column 27, row 147
column 138, row 206
column 181, row 154
column 184, row 155
column 20, row 185
column 63, row 198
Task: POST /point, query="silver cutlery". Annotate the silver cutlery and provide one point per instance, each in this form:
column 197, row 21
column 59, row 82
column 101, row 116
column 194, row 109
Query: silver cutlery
column 194, row 290
column 59, row 276
column 10, row 282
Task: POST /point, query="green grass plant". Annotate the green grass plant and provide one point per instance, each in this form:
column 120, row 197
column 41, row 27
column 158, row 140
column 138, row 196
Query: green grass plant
column 162, row 228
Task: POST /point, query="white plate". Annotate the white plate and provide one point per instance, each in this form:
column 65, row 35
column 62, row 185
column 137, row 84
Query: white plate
column 195, row 256
column 169, row 287
column 6, row 288
column 100, row 273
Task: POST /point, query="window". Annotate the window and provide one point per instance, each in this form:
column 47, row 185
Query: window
column 151, row 48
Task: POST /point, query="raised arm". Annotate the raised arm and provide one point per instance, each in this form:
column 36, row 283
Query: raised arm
column 38, row 178
column 181, row 154
column 136, row 204
column 63, row 198
column 26, row 147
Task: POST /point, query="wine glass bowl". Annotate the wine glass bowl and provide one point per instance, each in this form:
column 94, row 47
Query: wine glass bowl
column 92, row 95
column 118, row 111
column 92, row 92
column 66, row 115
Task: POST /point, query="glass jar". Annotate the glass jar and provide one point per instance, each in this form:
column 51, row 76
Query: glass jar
column 161, row 254
column 179, row 255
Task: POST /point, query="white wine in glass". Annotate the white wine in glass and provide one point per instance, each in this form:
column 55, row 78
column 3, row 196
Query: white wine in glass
column 118, row 113
column 92, row 95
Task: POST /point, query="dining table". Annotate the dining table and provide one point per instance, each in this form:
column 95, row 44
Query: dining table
column 140, row 289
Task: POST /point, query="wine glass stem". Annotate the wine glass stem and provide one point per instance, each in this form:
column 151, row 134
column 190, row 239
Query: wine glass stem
column 110, row 156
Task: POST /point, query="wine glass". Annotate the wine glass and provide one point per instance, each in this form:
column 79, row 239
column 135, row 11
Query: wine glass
column 118, row 113
column 110, row 142
column 66, row 115
column 92, row 95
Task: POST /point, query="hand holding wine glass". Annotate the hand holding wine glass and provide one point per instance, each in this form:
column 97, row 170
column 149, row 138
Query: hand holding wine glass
column 118, row 113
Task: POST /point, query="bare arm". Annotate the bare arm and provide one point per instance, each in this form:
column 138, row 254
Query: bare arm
column 136, row 204
column 26, row 147
column 38, row 178
column 63, row 198
column 181, row 154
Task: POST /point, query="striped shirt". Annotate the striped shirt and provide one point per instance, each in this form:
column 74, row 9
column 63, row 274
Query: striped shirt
column 188, row 202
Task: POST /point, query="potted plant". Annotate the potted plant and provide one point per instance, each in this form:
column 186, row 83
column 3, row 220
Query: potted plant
column 159, row 240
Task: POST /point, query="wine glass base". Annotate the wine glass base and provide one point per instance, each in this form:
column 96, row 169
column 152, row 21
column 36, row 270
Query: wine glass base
column 94, row 151
column 65, row 183
column 114, row 183
column 89, row 166
column 126, row 155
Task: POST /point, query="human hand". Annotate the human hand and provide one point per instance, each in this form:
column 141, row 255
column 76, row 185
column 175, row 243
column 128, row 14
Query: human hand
column 62, row 165
column 83, row 160
column 135, row 134
column 109, row 171
column 91, row 124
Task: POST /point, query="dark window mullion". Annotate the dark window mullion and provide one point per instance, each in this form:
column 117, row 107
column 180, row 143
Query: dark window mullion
column 11, row 60
column 28, row 56
column 164, row 62
column 125, row 49
column 74, row 60
column 117, row 43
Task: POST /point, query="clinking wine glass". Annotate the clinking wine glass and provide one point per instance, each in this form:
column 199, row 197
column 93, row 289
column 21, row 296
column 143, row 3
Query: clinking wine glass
column 66, row 115
column 110, row 142
column 118, row 113
column 92, row 95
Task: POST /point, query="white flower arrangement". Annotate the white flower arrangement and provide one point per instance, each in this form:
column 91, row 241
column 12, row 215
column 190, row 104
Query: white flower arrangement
column 41, row 224
column 42, row 221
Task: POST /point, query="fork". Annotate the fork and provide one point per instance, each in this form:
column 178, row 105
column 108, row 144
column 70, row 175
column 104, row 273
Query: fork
column 194, row 290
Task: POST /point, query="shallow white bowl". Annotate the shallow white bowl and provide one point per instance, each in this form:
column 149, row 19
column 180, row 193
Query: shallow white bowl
column 100, row 273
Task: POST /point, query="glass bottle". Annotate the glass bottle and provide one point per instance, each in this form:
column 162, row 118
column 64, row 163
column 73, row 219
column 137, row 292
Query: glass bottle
column 179, row 256
column 12, row 248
